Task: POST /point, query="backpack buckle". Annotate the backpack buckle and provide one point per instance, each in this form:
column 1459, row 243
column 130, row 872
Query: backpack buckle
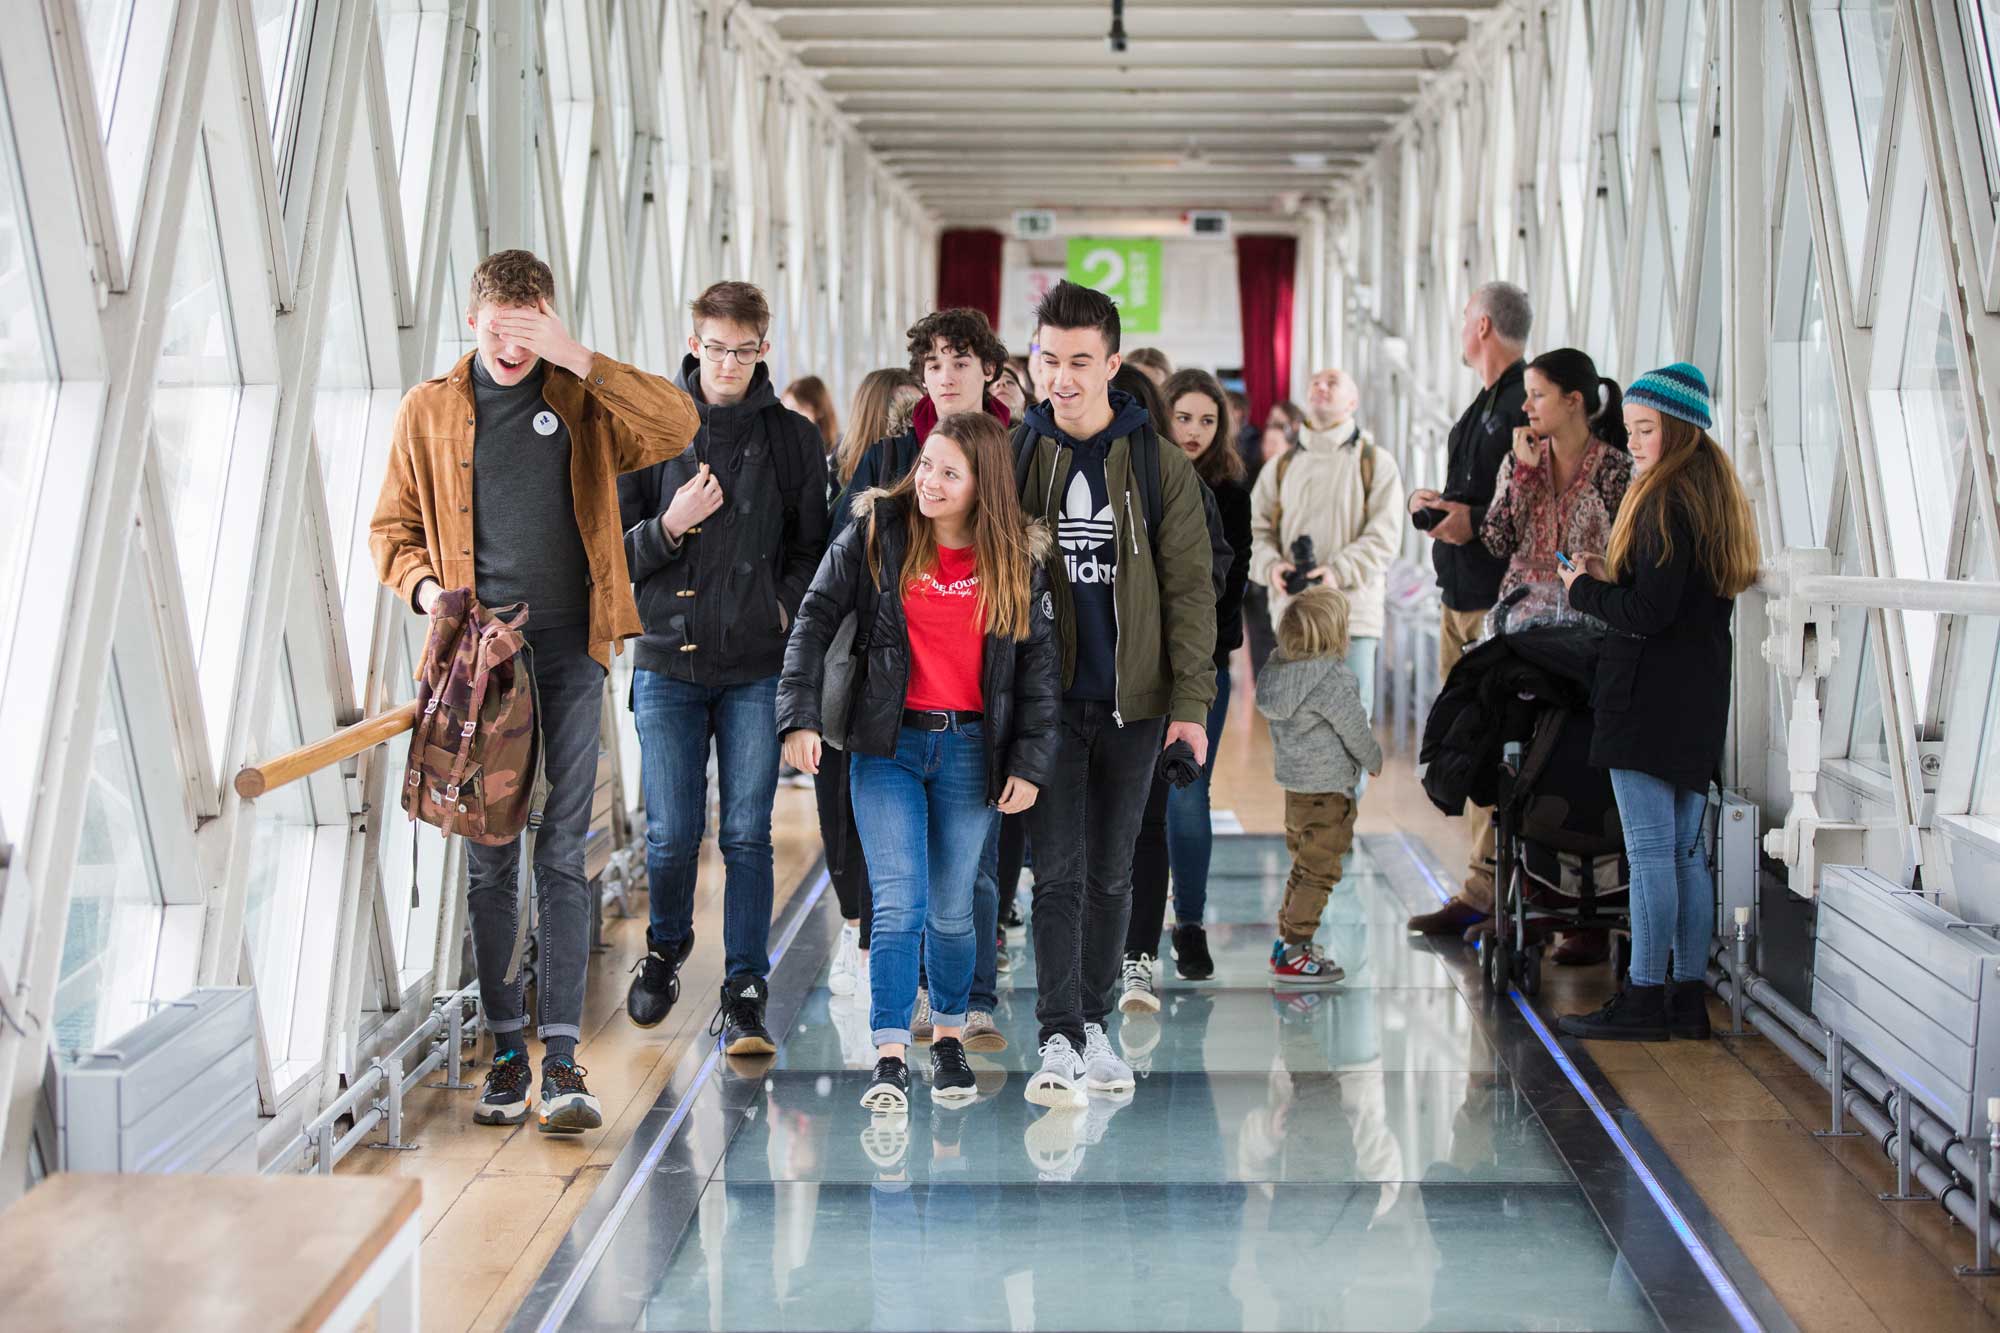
column 431, row 707
column 451, row 792
column 468, row 728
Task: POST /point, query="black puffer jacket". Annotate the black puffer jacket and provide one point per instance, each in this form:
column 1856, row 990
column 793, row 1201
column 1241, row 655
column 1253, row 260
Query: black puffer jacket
column 1017, row 679
column 717, row 606
column 1491, row 697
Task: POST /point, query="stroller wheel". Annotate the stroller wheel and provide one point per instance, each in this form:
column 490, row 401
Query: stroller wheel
column 1531, row 972
column 1500, row 964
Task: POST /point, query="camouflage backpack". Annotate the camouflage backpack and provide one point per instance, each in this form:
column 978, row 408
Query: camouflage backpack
column 475, row 751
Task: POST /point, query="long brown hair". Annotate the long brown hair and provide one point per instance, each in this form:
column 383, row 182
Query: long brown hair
column 1695, row 478
column 811, row 394
column 1221, row 461
column 868, row 418
column 1002, row 554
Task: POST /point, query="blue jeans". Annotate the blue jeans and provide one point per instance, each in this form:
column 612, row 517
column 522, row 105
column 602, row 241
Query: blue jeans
column 675, row 721
column 1673, row 895
column 1361, row 654
column 924, row 822
column 985, row 993
column 1190, row 837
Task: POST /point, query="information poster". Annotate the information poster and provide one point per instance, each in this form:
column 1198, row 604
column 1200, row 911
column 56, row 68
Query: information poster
column 1127, row 270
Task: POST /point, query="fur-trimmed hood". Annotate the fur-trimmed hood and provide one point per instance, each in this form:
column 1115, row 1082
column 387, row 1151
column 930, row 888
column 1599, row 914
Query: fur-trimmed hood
column 1041, row 542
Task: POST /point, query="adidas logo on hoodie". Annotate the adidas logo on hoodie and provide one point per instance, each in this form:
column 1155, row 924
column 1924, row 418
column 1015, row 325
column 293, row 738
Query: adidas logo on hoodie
column 1086, row 534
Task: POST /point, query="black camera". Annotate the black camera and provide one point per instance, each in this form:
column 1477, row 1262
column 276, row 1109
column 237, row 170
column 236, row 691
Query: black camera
column 1428, row 518
column 1304, row 564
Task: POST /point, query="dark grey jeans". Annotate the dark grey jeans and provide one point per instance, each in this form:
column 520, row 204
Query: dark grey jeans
column 1083, row 863
column 569, row 687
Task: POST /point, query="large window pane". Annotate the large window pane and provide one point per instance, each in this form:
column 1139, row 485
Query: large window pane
column 454, row 337
column 1805, row 410
column 280, row 877
column 273, row 20
column 340, row 406
column 194, row 406
column 412, row 910
column 27, row 393
column 1851, row 45
column 112, row 938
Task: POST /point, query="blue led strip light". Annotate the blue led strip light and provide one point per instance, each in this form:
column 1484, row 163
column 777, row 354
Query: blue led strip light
column 593, row 1254
column 1704, row 1259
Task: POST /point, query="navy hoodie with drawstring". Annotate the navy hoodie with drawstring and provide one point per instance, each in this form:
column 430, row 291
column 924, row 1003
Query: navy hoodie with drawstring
column 1085, row 533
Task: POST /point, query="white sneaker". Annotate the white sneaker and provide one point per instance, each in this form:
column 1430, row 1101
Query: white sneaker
column 1139, row 997
column 1059, row 1082
column 1052, row 1144
column 845, row 978
column 1103, row 1070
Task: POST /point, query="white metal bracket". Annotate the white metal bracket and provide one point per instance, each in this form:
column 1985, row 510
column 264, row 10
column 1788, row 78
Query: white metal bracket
column 1803, row 646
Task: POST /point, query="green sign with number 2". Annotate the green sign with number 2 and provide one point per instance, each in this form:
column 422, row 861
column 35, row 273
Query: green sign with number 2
column 1126, row 270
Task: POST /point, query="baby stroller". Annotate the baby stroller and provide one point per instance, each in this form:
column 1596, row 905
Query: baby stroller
column 1512, row 730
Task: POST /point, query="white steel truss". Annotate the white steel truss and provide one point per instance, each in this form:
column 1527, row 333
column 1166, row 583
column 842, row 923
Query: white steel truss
column 232, row 233
column 1803, row 198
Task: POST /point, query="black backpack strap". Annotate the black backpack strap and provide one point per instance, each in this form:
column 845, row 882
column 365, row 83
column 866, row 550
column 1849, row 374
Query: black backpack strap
column 1026, row 441
column 1145, row 464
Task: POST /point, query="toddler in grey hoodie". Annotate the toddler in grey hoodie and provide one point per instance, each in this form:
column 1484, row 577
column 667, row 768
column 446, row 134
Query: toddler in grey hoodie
column 1322, row 742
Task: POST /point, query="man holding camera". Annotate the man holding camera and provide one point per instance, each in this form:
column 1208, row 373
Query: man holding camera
column 1330, row 510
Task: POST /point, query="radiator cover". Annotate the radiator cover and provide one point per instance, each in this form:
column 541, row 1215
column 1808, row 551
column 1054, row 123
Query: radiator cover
column 178, row 1093
column 1912, row 988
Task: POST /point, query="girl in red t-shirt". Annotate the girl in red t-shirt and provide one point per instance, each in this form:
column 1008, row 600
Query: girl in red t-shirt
column 952, row 723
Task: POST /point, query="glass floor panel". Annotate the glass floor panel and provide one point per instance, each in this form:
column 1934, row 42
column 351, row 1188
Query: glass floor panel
column 1399, row 1152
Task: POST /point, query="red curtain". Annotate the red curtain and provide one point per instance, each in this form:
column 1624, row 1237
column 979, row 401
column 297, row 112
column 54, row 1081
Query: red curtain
column 1265, row 269
column 969, row 271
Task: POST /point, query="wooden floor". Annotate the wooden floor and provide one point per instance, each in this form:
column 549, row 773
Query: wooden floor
column 1736, row 1116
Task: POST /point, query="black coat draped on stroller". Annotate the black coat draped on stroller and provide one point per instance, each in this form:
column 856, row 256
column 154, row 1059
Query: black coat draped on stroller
column 1511, row 730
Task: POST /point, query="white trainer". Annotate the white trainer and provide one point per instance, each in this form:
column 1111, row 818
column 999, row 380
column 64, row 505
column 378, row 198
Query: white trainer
column 845, row 978
column 1103, row 1070
column 1059, row 1082
column 1138, row 996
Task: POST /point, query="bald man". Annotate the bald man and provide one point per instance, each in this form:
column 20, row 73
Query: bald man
column 1339, row 489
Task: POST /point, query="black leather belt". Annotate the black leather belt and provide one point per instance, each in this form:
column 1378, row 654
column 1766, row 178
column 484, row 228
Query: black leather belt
column 939, row 719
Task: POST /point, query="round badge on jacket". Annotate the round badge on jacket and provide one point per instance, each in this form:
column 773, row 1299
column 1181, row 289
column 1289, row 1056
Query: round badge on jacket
column 546, row 422
column 1048, row 607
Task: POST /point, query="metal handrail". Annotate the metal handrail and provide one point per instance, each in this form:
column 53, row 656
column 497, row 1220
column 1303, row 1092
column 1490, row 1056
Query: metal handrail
column 254, row 780
column 1962, row 597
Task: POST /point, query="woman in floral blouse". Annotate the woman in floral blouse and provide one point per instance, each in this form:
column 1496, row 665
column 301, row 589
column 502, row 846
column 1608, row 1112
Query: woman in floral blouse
column 1559, row 491
column 1560, row 488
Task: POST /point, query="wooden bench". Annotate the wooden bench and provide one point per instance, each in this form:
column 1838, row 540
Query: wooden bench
column 195, row 1252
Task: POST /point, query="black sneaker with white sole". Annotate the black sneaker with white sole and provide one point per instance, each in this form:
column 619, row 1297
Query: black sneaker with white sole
column 658, row 984
column 951, row 1074
column 739, row 1019
column 889, row 1090
column 566, row 1106
column 503, row 1098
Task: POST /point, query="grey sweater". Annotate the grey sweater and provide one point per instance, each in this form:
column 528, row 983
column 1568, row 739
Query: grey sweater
column 1319, row 731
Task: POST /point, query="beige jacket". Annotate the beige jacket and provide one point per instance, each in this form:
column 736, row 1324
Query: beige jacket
column 620, row 419
column 1354, row 536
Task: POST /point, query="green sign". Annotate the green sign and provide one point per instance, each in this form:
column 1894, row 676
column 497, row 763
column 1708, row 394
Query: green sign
column 1126, row 270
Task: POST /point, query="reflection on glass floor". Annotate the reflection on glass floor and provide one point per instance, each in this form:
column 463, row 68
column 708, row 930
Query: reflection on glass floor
column 1359, row 1158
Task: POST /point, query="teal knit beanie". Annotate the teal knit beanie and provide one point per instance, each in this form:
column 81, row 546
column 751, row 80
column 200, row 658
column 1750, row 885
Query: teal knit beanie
column 1679, row 390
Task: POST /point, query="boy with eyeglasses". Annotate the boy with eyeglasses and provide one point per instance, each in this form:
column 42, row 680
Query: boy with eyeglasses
column 722, row 542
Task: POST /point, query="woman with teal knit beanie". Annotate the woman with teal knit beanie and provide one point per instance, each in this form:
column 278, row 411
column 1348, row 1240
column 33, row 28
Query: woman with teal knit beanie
column 1683, row 546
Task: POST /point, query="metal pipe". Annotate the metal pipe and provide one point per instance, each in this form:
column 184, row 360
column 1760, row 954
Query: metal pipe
column 1946, row 1185
column 1932, row 1134
column 363, row 1124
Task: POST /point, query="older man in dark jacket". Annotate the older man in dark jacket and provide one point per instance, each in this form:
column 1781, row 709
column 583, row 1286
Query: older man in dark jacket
column 722, row 544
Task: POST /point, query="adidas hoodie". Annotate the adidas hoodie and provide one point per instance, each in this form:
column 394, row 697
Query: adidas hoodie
column 1086, row 536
